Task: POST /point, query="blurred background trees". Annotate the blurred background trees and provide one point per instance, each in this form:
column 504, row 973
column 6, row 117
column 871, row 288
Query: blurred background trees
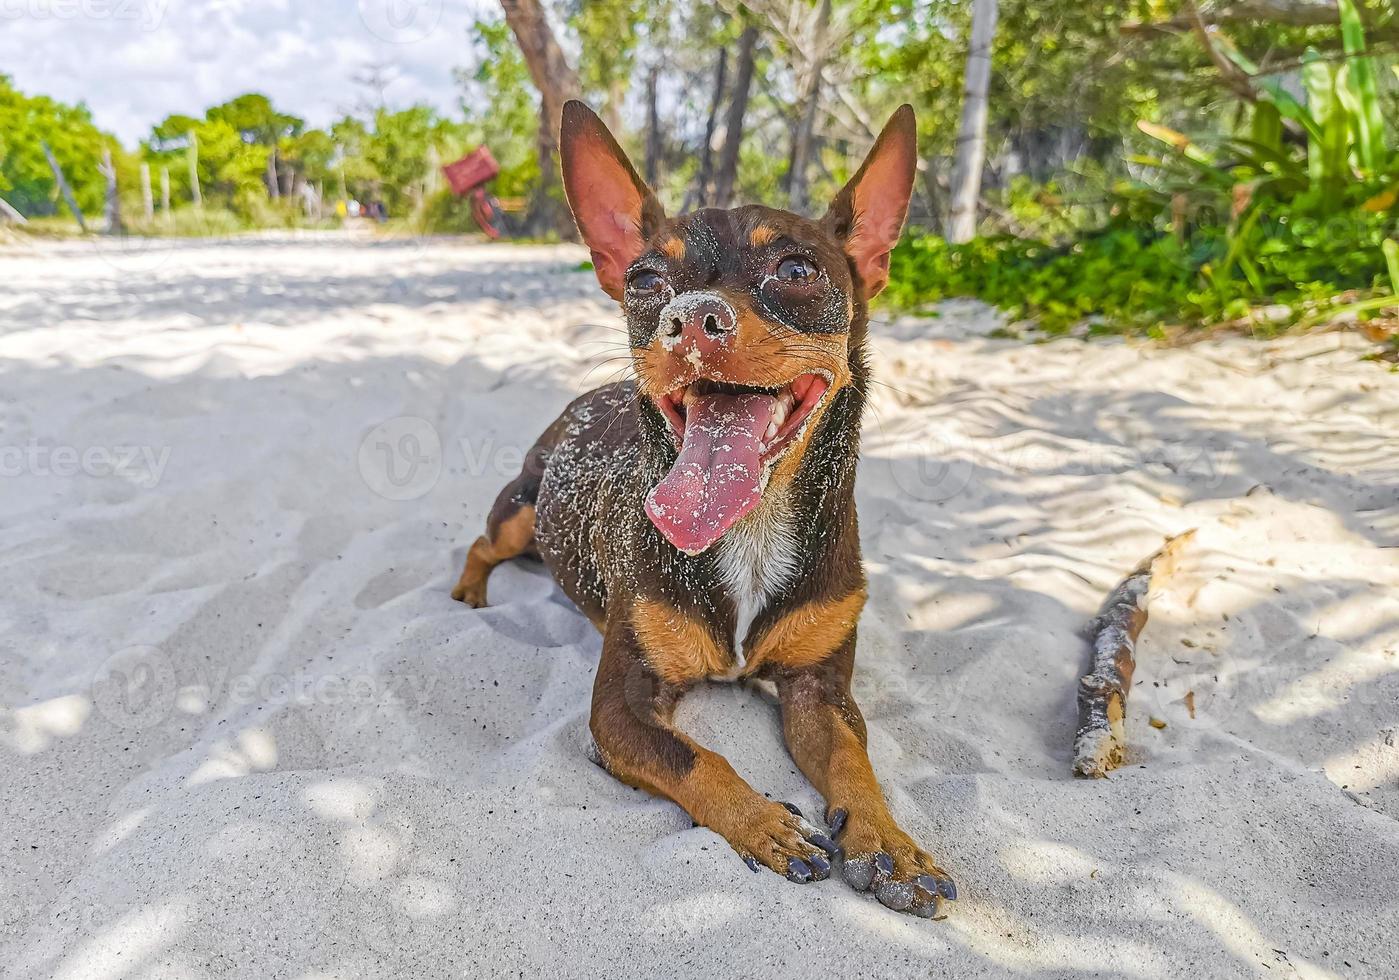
column 1127, row 161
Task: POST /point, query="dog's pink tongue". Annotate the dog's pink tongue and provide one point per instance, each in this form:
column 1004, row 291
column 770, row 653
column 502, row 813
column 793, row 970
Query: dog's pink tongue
column 717, row 478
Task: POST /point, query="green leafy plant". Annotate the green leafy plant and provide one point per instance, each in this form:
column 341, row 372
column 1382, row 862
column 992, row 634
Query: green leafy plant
column 1285, row 217
column 1129, row 276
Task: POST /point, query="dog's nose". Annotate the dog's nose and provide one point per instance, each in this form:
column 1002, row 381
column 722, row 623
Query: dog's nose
column 702, row 322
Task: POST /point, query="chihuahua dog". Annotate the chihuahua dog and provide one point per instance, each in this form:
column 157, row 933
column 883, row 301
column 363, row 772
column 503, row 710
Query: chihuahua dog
column 703, row 514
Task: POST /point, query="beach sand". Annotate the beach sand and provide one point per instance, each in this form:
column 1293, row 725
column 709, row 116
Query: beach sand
column 245, row 732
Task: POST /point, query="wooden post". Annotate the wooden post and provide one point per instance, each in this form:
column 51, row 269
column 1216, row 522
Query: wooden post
column 192, row 156
column 147, row 199
column 164, row 190
column 432, row 180
column 113, row 208
column 63, row 187
column 8, row 213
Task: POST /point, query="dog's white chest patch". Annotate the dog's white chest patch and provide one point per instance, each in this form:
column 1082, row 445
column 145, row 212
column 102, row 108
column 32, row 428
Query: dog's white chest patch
column 756, row 559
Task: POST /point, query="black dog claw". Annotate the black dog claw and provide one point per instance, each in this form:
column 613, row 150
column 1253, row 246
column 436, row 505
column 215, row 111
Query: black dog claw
column 792, row 808
column 936, row 885
column 820, row 867
column 826, row 844
column 837, row 822
column 926, row 911
column 897, row 895
column 935, row 888
column 858, row 872
column 883, row 865
column 752, row 864
column 798, row 871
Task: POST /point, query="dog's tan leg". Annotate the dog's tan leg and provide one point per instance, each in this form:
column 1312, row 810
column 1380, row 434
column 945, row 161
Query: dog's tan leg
column 507, row 538
column 633, row 704
column 810, row 653
column 826, row 736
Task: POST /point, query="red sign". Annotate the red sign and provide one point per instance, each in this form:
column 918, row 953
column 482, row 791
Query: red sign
column 471, row 171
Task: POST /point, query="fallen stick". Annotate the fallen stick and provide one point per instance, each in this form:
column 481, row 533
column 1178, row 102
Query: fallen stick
column 1102, row 694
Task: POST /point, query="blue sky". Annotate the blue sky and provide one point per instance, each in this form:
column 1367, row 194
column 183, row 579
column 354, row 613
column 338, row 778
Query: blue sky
column 136, row 61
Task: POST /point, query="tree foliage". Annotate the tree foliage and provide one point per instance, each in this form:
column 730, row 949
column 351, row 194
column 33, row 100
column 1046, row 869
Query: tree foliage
column 1202, row 138
column 26, row 124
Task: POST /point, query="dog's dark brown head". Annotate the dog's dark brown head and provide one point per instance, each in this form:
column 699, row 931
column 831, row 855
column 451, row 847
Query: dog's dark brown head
column 746, row 326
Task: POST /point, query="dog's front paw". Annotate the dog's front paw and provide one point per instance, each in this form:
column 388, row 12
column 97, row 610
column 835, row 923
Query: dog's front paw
column 777, row 836
column 471, row 593
column 881, row 858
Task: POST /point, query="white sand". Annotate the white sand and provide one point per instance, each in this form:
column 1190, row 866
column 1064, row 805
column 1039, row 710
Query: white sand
column 245, row 732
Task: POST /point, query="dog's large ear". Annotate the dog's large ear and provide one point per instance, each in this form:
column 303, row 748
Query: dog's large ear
column 868, row 214
column 614, row 209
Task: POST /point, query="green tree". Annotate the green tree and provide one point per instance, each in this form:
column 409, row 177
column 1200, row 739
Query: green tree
column 256, row 120
column 26, row 123
column 403, row 148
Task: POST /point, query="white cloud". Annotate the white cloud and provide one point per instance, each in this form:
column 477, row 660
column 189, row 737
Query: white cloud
column 136, row 61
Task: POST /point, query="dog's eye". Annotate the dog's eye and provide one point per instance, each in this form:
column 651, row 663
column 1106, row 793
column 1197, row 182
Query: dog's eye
column 795, row 268
column 644, row 281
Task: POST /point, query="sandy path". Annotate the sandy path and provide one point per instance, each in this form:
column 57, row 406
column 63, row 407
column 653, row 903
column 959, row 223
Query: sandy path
column 244, row 732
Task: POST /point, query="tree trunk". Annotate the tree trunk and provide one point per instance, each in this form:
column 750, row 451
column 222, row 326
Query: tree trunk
column 653, row 129
column 557, row 82
column 616, row 98
column 733, row 121
column 164, row 190
column 808, row 99
column 971, row 138
column 937, row 210
column 700, row 193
